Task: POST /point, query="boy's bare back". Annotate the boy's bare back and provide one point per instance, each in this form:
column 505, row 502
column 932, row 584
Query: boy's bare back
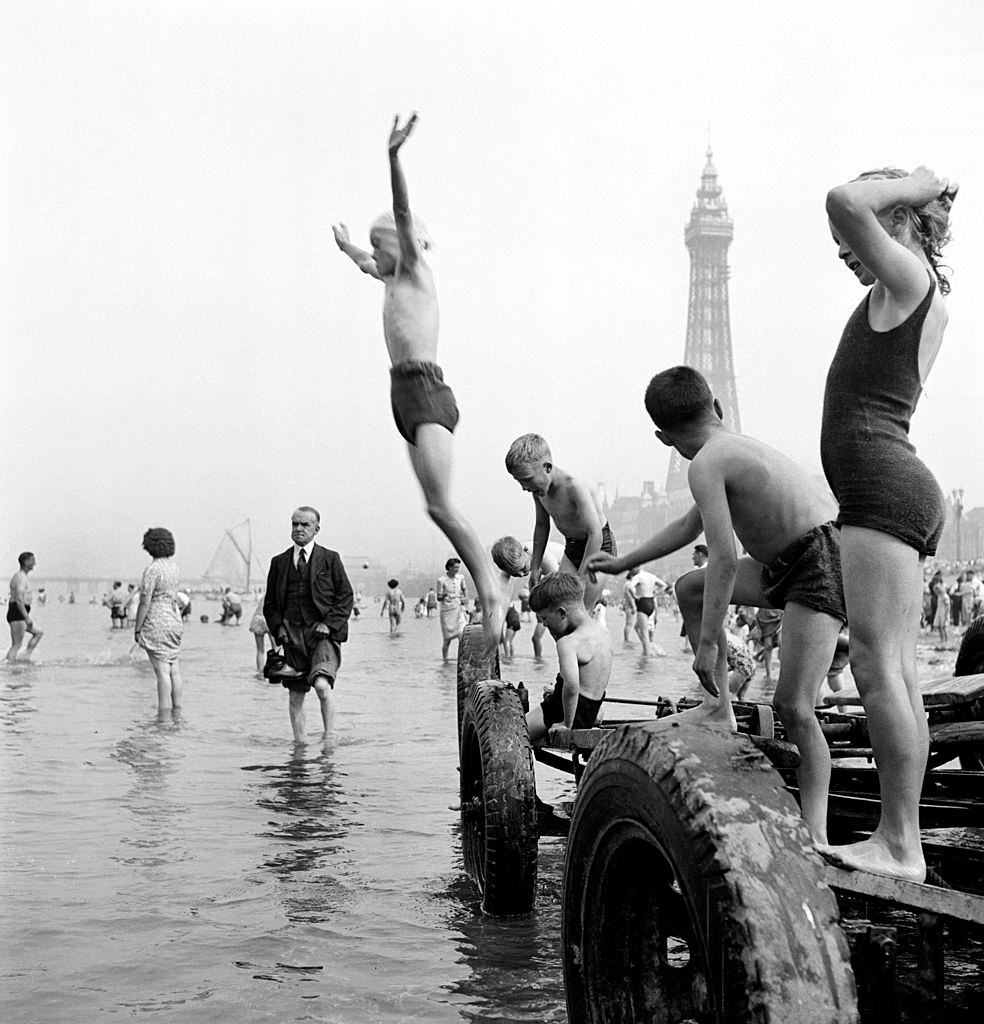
column 772, row 501
column 592, row 645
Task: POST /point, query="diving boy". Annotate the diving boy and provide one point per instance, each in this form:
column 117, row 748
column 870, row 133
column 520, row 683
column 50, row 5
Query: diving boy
column 584, row 648
column 570, row 503
column 423, row 405
column 784, row 520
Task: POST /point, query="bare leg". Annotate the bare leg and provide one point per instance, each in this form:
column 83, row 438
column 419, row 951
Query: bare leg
column 642, row 631
column 260, row 651
column 431, row 460
column 690, row 600
column 326, row 695
column 296, row 709
column 628, row 626
column 882, row 577
column 808, row 648
column 538, row 632
column 163, row 672
column 535, row 725
column 17, row 631
column 175, row 671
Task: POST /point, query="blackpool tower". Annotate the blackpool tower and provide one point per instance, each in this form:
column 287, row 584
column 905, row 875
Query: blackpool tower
column 708, row 346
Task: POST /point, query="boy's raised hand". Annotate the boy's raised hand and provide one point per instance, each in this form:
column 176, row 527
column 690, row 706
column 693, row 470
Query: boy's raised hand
column 400, row 135
column 341, row 234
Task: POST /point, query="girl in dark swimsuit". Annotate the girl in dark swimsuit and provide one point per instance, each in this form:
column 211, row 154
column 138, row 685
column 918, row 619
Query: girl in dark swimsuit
column 889, row 227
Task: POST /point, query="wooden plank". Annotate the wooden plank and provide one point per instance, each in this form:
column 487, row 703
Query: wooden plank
column 937, row 692
column 957, row 736
column 958, row 906
column 575, row 739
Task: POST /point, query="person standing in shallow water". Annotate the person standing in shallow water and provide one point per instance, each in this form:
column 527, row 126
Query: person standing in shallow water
column 889, row 227
column 158, row 627
column 451, row 593
column 19, row 610
column 307, row 606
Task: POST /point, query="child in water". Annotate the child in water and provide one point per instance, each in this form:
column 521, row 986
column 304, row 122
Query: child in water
column 570, row 503
column 394, row 602
column 423, row 405
column 584, row 648
column 889, row 228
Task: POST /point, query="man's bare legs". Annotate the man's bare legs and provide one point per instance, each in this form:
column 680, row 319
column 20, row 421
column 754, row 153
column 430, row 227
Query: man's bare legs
column 18, row 630
column 431, row 460
column 801, row 673
column 642, row 631
column 326, row 698
column 883, row 589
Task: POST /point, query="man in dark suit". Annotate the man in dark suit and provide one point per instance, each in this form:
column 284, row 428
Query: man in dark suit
column 307, row 606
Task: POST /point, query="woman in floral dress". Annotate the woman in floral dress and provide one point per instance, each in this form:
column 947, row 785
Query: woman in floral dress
column 158, row 627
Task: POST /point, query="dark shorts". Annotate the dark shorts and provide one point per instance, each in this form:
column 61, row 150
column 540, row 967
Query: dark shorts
column 808, row 572
column 512, row 619
column 646, row 605
column 574, row 547
column 117, row 613
column 313, row 654
column 553, row 708
column 419, row 395
column 13, row 613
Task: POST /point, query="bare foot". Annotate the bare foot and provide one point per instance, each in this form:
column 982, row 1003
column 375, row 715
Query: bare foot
column 712, row 712
column 873, row 856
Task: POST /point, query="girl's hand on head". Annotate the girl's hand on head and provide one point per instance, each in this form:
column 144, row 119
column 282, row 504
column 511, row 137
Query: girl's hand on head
column 929, row 186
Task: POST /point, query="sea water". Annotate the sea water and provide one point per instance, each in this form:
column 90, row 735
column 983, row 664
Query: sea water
column 204, row 868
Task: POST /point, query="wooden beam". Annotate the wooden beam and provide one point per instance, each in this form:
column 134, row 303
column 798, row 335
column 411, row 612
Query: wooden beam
column 958, row 906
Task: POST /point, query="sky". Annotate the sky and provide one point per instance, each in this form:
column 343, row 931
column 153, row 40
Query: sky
column 182, row 344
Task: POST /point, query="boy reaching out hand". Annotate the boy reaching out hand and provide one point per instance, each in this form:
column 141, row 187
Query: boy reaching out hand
column 423, row 405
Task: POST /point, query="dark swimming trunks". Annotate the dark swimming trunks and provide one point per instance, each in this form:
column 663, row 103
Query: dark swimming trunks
column 419, row 395
column 575, row 546
column 646, row 605
column 512, row 619
column 871, row 393
column 553, row 708
column 13, row 612
column 808, row 572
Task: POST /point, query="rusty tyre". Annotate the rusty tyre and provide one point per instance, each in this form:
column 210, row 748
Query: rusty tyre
column 474, row 664
column 689, row 892
column 498, row 799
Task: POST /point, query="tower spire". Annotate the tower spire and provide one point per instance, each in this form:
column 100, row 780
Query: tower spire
column 707, row 236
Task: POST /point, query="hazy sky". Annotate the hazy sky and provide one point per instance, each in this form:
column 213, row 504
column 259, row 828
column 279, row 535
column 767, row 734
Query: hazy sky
column 183, row 345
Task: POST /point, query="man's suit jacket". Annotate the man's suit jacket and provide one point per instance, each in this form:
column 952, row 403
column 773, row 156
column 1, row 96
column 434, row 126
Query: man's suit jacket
column 331, row 591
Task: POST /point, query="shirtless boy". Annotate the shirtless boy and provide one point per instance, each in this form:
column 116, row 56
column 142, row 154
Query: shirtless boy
column 423, row 405
column 19, row 610
column 570, row 503
column 585, row 651
column 513, row 560
column 394, row 602
column 784, row 520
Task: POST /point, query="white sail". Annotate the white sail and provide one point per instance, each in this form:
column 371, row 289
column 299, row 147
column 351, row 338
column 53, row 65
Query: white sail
column 234, row 564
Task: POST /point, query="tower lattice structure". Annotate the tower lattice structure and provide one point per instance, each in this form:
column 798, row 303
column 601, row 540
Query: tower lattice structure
column 708, row 346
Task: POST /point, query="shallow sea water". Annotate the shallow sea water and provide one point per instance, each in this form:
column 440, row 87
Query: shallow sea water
column 205, row 869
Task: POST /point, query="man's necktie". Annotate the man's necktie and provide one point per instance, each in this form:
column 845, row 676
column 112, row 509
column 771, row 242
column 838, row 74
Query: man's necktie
column 301, row 560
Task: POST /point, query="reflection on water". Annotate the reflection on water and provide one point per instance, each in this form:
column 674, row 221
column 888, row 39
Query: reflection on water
column 147, row 752
column 305, row 796
column 16, row 701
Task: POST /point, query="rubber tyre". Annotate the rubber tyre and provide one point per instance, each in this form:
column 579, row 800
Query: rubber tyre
column 474, row 664
column 689, row 893
column 498, row 799
column 970, row 657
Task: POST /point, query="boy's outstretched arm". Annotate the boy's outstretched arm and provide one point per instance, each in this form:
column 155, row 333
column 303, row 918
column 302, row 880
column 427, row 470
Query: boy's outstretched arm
column 362, row 259
column 671, row 538
column 708, row 488
column 409, row 245
column 541, row 532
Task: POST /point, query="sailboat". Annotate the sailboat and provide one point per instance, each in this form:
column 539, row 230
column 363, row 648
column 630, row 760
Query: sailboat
column 234, row 564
